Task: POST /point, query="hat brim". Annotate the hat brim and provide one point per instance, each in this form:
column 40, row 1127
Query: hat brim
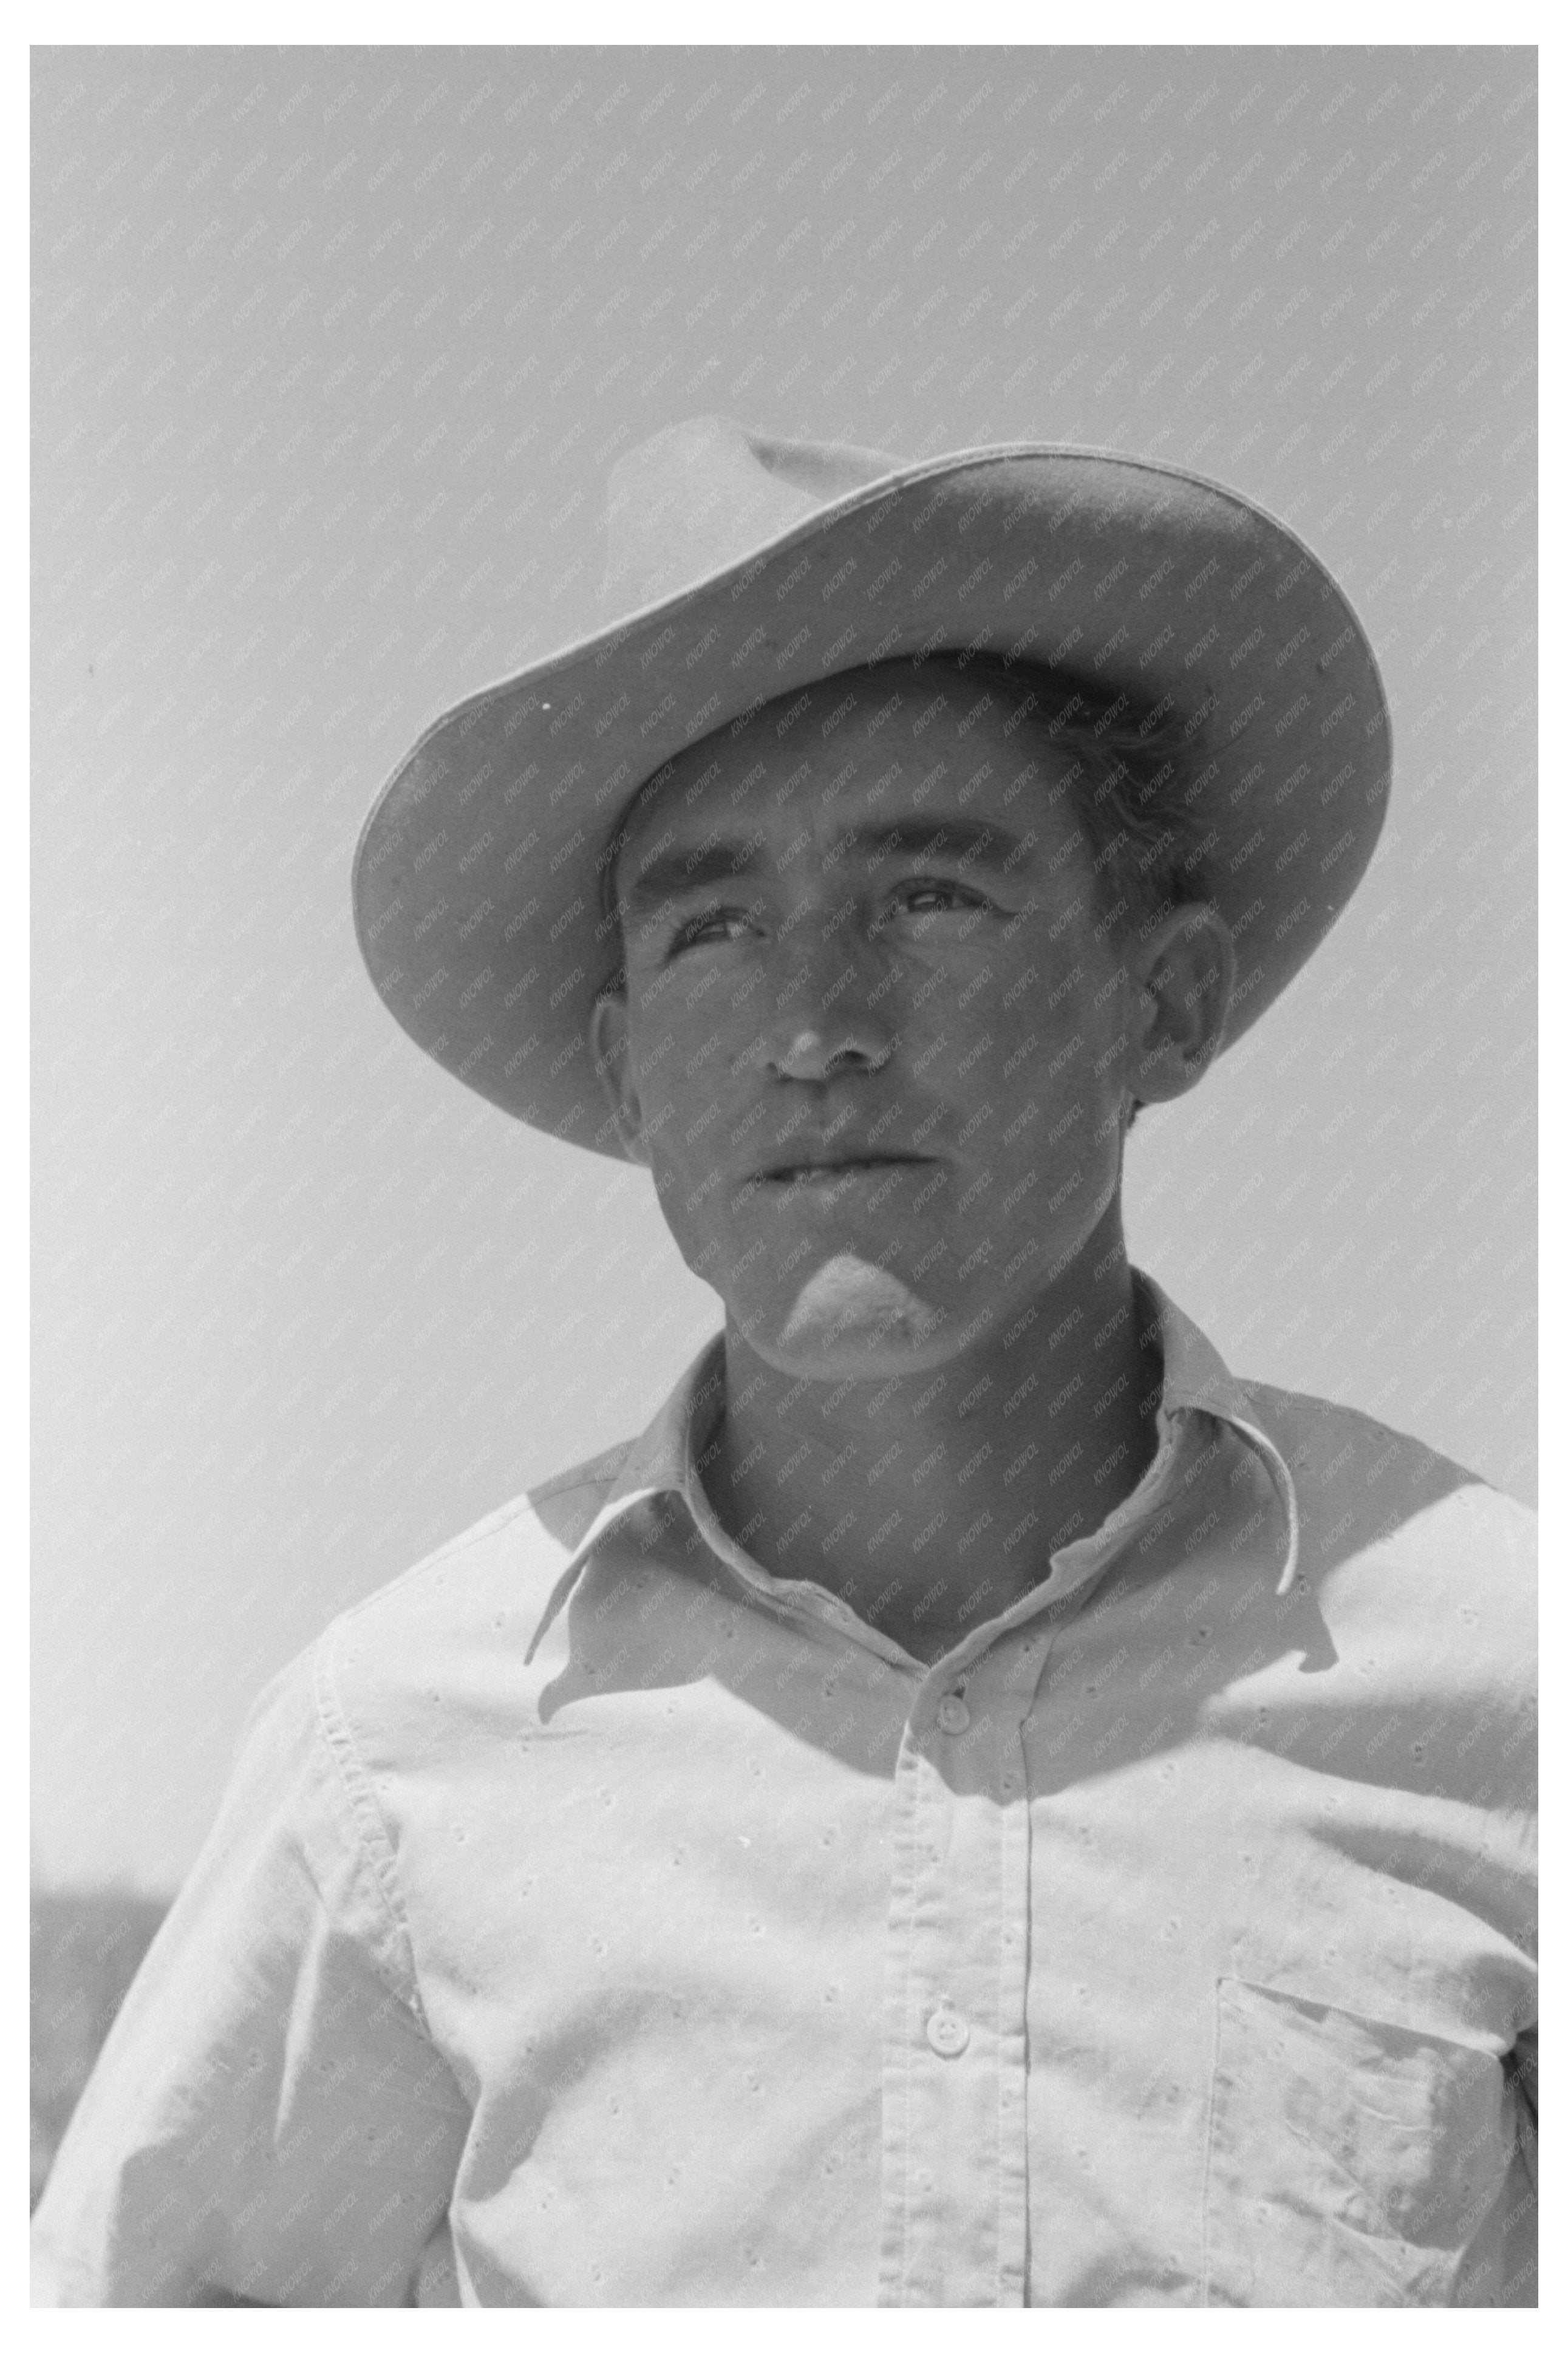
column 477, row 880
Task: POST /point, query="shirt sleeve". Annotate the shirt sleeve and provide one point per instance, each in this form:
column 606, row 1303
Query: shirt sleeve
column 269, row 2121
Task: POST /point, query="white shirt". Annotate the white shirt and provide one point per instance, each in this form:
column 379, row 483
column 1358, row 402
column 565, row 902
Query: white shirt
column 595, row 1919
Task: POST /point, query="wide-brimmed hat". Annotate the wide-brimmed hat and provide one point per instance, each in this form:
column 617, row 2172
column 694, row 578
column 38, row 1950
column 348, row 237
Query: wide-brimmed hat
column 742, row 568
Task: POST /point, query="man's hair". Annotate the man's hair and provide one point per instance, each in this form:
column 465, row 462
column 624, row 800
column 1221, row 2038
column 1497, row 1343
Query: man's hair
column 1127, row 770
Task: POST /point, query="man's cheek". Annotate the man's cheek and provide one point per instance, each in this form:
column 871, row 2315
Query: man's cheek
column 694, row 1209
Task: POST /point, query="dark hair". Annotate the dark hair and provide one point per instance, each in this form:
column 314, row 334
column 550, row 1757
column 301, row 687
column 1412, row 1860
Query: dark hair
column 1129, row 770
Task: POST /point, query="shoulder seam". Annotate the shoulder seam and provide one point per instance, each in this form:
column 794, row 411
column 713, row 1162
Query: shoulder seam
column 1369, row 1422
column 375, row 1846
column 604, row 1470
column 493, row 1524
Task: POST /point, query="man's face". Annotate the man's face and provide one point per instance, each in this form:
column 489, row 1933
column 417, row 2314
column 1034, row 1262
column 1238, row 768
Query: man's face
column 871, row 1047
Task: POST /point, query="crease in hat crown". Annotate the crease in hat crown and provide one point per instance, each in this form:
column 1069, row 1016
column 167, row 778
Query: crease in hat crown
column 706, row 494
column 742, row 565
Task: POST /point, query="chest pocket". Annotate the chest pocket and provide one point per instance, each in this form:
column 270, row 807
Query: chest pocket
column 1350, row 2161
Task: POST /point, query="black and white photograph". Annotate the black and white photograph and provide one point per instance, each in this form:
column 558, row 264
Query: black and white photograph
column 784, row 1306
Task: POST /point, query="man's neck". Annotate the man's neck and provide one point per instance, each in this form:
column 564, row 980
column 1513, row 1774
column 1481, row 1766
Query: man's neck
column 934, row 1501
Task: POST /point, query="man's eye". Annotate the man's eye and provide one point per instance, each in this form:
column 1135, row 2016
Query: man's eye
column 713, row 924
column 932, row 898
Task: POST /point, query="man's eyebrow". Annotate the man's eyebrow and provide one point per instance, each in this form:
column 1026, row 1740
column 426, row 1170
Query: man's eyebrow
column 674, row 872
column 959, row 840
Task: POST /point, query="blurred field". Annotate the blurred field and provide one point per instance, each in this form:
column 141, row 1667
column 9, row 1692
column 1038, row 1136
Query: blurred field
column 86, row 1948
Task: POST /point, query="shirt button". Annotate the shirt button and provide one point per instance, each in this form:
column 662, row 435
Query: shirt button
column 947, row 2033
column 952, row 1715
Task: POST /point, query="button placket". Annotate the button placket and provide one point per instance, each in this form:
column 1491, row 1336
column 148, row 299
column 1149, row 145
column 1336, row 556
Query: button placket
column 955, row 2165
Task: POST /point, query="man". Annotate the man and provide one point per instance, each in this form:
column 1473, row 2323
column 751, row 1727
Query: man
column 978, row 1805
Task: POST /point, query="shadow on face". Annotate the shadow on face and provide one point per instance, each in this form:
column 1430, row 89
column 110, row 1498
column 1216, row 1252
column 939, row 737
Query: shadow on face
column 876, row 1038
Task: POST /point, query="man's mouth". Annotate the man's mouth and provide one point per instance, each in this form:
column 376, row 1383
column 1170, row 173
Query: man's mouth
column 841, row 1168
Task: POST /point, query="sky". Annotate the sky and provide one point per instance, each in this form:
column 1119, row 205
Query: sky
column 332, row 353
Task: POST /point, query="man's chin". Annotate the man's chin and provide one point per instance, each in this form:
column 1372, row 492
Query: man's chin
column 851, row 1321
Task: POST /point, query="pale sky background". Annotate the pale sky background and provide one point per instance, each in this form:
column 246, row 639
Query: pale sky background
column 332, row 353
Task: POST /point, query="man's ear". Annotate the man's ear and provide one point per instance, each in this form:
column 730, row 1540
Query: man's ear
column 1186, row 971
column 610, row 1038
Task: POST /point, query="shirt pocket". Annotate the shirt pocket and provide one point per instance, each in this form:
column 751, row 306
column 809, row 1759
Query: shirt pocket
column 1349, row 2160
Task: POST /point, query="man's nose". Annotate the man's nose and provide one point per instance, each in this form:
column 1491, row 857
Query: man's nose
column 831, row 1012
column 821, row 1050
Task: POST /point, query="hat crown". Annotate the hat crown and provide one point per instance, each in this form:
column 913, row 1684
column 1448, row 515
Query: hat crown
column 704, row 494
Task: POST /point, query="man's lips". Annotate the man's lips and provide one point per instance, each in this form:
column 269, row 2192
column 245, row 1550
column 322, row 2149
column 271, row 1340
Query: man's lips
column 806, row 1168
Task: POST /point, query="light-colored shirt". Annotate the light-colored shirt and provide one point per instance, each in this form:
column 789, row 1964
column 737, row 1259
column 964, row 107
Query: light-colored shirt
column 593, row 1918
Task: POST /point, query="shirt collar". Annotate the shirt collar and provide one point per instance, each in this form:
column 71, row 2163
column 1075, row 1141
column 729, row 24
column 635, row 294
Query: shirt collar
column 664, row 1459
column 1198, row 1381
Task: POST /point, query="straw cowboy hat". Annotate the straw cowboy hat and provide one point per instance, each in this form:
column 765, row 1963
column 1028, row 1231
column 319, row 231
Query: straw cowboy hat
column 742, row 568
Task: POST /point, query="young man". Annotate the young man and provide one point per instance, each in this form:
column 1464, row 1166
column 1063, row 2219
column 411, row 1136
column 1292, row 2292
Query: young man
column 977, row 1804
